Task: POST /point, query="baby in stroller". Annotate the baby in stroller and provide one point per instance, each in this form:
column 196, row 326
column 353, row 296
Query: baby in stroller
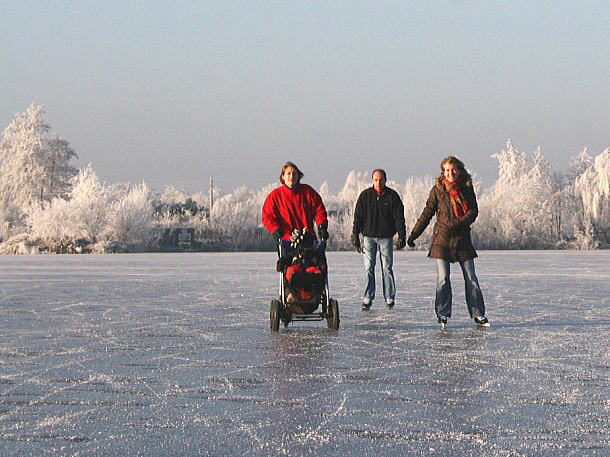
column 303, row 263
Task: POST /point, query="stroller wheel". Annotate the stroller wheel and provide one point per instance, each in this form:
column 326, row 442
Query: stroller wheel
column 333, row 315
column 274, row 315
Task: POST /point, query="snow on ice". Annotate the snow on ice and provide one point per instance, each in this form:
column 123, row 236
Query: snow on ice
column 171, row 354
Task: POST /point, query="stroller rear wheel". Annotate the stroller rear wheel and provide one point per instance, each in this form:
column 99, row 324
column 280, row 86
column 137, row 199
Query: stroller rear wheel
column 333, row 315
column 274, row 315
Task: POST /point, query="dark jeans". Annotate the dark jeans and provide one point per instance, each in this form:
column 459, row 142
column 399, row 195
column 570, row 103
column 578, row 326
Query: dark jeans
column 474, row 297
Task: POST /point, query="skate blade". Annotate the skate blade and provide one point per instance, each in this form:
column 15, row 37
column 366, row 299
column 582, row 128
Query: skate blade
column 442, row 326
column 485, row 325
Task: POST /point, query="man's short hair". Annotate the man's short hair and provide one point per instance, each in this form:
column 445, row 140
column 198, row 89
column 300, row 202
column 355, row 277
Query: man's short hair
column 380, row 170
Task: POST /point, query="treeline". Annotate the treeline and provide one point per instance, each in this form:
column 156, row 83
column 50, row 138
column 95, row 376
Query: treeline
column 47, row 205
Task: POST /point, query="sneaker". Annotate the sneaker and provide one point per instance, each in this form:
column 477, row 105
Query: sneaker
column 366, row 305
column 482, row 321
column 442, row 320
column 390, row 303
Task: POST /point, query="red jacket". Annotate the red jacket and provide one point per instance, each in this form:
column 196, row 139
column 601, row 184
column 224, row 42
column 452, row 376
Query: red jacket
column 289, row 209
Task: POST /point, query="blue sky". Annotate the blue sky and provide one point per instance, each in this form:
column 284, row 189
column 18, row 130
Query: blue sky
column 175, row 92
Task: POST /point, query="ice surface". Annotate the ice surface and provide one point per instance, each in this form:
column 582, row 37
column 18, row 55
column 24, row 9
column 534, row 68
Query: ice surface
column 171, row 354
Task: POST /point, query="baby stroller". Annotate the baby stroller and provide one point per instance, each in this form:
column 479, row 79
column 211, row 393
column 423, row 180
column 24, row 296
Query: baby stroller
column 303, row 283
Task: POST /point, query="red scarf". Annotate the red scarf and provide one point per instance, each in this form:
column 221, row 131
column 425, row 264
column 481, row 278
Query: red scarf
column 458, row 202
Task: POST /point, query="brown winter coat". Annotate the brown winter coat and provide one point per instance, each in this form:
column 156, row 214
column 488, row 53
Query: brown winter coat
column 451, row 237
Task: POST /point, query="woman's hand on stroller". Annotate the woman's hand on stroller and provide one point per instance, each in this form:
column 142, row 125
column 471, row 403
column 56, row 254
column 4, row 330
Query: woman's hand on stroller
column 283, row 263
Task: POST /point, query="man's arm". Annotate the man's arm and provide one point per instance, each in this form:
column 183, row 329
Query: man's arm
column 399, row 219
column 358, row 215
column 358, row 222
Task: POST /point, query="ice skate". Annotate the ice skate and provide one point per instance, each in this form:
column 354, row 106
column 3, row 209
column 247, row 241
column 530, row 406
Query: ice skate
column 482, row 321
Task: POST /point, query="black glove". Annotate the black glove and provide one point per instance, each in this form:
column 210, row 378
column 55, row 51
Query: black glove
column 278, row 235
column 411, row 242
column 356, row 242
column 282, row 263
column 322, row 230
column 400, row 243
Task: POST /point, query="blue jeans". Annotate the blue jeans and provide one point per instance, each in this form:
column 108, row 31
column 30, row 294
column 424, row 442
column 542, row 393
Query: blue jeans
column 386, row 257
column 474, row 297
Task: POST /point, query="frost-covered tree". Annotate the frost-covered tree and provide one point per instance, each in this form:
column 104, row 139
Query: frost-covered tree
column 354, row 184
column 34, row 168
column 202, row 199
column 570, row 224
column 340, row 225
column 172, row 195
column 592, row 186
column 512, row 164
column 579, row 164
column 414, row 196
column 236, row 220
column 58, row 171
column 516, row 212
column 537, row 200
column 174, row 208
column 130, row 216
column 341, row 209
column 324, row 191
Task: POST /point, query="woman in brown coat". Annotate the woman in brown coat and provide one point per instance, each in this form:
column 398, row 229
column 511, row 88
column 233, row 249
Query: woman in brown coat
column 453, row 201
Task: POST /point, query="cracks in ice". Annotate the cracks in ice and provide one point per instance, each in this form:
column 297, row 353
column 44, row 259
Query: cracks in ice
column 187, row 357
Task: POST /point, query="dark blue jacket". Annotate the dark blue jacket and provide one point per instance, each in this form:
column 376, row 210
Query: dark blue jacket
column 379, row 216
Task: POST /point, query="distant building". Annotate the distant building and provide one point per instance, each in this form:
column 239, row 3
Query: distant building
column 603, row 236
column 178, row 239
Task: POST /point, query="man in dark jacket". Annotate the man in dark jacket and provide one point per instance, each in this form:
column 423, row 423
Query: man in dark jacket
column 378, row 216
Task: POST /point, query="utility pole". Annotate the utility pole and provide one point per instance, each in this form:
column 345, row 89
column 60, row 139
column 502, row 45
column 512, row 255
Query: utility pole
column 211, row 197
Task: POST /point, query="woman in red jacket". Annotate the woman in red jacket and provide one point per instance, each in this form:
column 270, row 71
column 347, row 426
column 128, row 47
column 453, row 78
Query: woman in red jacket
column 295, row 206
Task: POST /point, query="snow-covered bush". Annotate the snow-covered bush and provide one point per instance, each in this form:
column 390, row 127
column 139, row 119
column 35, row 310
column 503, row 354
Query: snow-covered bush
column 236, row 220
column 52, row 221
column 130, row 216
column 23, row 243
column 82, row 216
column 89, row 205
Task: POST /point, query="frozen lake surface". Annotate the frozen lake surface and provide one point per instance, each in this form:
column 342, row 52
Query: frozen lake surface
column 171, row 354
